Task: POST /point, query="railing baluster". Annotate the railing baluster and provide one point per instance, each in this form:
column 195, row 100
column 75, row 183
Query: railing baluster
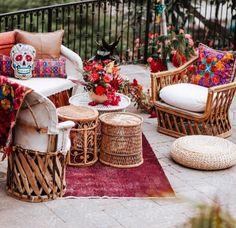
column 92, row 28
column 75, row 25
column 140, row 28
column 49, row 20
column 98, row 26
column 147, row 31
column 134, row 30
column 6, row 24
column 80, row 27
column 110, row 21
column 117, row 14
column 43, row 22
column 68, row 27
column 31, row 22
column 122, row 31
column 18, row 21
column 25, row 16
column 63, row 17
column 86, row 32
column 37, row 21
column 57, row 18
column 104, row 18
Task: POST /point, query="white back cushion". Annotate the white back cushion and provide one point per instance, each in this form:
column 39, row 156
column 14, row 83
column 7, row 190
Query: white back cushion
column 185, row 96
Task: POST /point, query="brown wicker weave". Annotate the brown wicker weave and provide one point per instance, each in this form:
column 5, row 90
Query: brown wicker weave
column 176, row 122
column 83, row 136
column 35, row 176
column 121, row 140
column 61, row 99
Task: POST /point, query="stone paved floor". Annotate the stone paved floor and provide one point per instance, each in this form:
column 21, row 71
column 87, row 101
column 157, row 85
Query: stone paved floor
column 188, row 184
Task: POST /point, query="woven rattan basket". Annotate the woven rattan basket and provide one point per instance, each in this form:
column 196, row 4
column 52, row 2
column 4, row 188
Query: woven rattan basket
column 35, row 176
column 121, row 140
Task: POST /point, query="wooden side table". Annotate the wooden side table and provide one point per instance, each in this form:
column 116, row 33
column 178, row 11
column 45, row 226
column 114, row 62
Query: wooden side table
column 83, row 136
column 121, row 140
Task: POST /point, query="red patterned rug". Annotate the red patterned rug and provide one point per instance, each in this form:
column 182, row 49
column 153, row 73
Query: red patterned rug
column 147, row 180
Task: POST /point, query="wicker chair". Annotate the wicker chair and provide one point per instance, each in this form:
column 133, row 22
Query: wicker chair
column 36, row 167
column 177, row 122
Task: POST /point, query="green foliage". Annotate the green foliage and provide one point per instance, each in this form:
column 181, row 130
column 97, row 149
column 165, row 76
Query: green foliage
column 211, row 216
column 14, row 5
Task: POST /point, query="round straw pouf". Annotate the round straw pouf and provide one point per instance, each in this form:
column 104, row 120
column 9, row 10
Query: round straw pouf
column 121, row 144
column 204, row 152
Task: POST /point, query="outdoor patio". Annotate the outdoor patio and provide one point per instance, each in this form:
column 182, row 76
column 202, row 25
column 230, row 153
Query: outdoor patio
column 191, row 187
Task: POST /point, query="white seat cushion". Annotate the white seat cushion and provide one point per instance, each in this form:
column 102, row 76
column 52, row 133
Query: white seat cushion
column 46, row 86
column 185, row 96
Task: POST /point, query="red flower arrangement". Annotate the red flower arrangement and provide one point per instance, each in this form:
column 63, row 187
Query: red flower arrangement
column 103, row 79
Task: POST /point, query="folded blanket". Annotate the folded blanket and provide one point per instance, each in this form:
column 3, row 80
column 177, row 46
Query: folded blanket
column 11, row 97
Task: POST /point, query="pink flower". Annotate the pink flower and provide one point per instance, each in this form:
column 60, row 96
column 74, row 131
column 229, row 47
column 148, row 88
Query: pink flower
column 190, row 42
column 150, row 59
column 150, row 35
column 107, row 78
column 188, row 36
column 94, row 77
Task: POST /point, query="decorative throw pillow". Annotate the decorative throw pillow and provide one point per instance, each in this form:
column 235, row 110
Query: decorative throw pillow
column 7, row 41
column 50, row 68
column 22, row 56
column 5, row 66
column 214, row 67
column 47, row 45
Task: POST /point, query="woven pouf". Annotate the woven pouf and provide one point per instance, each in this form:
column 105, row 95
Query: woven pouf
column 121, row 144
column 204, row 152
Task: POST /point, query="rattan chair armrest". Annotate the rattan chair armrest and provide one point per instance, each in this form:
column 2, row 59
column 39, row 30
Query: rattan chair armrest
column 164, row 78
column 224, row 87
column 220, row 98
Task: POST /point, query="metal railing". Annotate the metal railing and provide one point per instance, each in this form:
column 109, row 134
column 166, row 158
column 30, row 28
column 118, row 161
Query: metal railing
column 88, row 21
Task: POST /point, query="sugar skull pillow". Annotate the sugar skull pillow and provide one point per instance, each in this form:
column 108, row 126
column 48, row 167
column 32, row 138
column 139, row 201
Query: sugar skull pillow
column 22, row 56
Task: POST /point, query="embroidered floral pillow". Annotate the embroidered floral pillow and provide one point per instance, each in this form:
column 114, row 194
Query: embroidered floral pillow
column 50, row 68
column 42, row 68
column 5, row 66
column 214, row 67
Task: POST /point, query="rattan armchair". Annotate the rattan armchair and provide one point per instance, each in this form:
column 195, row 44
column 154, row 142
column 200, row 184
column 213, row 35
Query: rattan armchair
column 177, row 122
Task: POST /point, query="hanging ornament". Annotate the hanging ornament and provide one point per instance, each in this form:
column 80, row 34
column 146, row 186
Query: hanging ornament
column 159, row 8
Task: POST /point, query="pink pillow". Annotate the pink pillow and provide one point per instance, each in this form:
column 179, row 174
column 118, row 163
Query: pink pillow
column 214, row 67
column 7, row 41
column 50, row 68
column 45, row 68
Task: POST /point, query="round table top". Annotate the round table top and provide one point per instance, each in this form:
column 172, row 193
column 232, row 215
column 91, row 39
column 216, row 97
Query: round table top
column 77, row 113
column 121, row 119
column 84, row 99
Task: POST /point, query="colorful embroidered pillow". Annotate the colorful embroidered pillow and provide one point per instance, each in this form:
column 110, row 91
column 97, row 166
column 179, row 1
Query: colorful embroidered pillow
column 214, row 67
column 49, row 68
column 5, row 66
column 42, row 67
